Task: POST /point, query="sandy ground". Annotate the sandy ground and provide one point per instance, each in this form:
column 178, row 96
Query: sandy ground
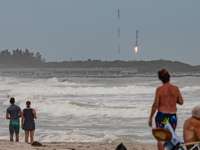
column 7, row 145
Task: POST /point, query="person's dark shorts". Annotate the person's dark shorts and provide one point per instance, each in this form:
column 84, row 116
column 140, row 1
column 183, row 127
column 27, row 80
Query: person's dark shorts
column 162, row 118
column 14, row 127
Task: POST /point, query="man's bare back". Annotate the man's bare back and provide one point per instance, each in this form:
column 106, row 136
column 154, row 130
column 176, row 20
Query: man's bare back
column 191, row 130
column 167, row 96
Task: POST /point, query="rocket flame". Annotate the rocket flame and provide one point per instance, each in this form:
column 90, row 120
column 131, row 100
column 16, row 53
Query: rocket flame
column 136, row 49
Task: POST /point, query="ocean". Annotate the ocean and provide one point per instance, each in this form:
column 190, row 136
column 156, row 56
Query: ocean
column 93, row 109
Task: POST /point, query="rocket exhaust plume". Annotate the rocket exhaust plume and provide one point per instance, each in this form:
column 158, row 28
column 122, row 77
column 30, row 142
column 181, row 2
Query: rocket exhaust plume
column 136, row 49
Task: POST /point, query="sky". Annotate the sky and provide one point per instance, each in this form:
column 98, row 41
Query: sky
column 71, row 30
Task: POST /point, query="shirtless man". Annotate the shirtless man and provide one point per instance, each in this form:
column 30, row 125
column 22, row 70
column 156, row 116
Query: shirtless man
column 191, row 128
column 166, row 98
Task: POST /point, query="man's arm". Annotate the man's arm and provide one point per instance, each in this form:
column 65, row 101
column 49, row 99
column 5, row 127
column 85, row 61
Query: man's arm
column 197, row 133
column 179, row 98
column 154, row 107
column 22, row 120
column 7, row 116
column 20, row 113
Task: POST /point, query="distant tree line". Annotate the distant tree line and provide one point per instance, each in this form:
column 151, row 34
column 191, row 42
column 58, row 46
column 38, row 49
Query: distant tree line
column 26, row 59
column 19, row 58
column 142, row 66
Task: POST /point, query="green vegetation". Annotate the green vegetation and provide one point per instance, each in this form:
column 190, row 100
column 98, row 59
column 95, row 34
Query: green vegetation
column 26, row 59
column 142, row 66
column 20, row 58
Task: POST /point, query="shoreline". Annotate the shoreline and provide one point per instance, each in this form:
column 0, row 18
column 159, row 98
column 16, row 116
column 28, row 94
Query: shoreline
column 6, row 145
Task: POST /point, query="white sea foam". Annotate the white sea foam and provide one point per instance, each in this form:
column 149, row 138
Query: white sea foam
column 83, row 109
column 53, row 86
column 191, row 89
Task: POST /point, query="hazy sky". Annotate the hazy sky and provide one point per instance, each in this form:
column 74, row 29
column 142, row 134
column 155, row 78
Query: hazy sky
column 88, row 29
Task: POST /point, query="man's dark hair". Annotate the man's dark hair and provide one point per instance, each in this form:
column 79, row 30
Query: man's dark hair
column 28, row 103
column 12, row 100
column 164, row 76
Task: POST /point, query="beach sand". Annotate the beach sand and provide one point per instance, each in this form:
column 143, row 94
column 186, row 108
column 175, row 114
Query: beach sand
column 7, row 145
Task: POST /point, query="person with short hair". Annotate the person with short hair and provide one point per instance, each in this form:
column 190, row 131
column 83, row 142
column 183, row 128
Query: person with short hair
column 13, row 113
column 191, row 128
column 166, row 98
column 28, row 123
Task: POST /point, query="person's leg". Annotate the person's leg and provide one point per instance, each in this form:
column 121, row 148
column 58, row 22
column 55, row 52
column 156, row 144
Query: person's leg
column 11, row 137
column 160, row 147
column 17, row 138
column 32, row 135
column 26, row 135
column 158, row 120
column 16, row 129
column 11, row 129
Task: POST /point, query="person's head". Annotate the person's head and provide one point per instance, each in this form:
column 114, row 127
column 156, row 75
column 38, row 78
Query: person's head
column 196, row 112
column 164, row 76
column 28, row 103
column 12, row 100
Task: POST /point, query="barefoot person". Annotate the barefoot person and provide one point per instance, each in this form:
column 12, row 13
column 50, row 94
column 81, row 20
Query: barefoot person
column 13, row 113
column 28, row 123
column 191, row 128
column 166, row 98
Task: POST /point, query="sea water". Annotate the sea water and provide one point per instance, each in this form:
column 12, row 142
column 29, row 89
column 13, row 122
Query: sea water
column 93, row 109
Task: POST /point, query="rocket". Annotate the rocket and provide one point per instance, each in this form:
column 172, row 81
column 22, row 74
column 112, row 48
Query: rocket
column 136, row 44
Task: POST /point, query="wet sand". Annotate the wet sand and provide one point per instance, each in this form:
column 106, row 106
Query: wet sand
column 7, row 145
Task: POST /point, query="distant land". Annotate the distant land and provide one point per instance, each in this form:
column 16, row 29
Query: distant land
column 25, row 60
column 141, row 66
column 97, row 68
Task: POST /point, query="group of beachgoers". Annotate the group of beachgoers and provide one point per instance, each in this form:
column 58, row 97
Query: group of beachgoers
column 27, row 122
column 166, row 98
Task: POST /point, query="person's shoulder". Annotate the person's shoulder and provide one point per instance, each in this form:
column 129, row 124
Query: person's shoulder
column 173, row 85
column 8, row 108
column 160, row 87
column 192, row 122
column 17, row 107
column 195, row 122
column 188, row 122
